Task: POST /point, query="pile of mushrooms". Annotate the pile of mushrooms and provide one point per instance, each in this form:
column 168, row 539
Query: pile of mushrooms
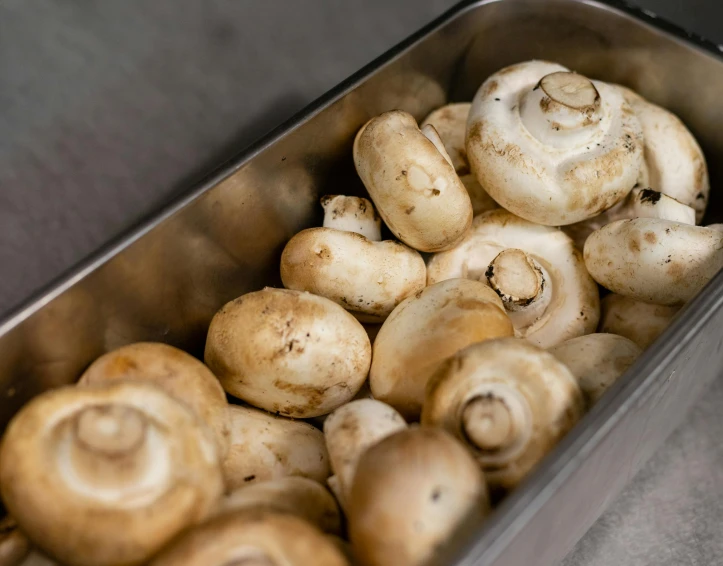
column 432, row 342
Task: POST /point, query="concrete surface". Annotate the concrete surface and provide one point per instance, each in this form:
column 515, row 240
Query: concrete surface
column 106, row 108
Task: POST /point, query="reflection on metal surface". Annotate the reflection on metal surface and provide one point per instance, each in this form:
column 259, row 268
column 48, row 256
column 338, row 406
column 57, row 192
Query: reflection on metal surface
column 167, row 284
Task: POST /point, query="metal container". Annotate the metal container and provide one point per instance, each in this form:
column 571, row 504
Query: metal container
column 165, row 279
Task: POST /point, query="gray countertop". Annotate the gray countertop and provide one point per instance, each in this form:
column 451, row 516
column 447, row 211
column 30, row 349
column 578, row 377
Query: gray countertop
column 107, row 108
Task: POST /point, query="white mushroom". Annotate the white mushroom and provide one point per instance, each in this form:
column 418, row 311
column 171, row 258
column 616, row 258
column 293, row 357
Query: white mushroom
column 266, row 447
column 652, row 260
column 109, row 473
column 252, row 538
column 509, row 401
column 411, row 491
column 298, row 496
column 535, row 269
column 368, row 278
column 424, row 330
column 450, row 122
column 674, row 161
column 350, row 431
column 288, row 352
column 596, row 361
column 412, row 182
column 552, row 146
column 14, row 545
column 180, row 374
column 638, row 321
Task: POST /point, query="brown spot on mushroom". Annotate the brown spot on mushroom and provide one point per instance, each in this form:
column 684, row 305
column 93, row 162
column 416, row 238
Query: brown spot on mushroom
column 435, row 192
column 409, row 210
column 491, row 87
column 323, row 252
column 634, row 244
column 651, row 238
column 676, row 270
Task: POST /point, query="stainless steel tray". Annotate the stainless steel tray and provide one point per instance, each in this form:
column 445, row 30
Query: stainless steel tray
column 165, row 279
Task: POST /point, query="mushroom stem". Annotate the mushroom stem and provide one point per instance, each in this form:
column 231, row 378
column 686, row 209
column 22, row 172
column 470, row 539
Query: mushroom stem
column 522, row 284
column 352, row 214
column 562, row 110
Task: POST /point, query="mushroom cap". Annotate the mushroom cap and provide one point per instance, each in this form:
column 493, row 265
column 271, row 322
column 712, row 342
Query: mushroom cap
column 178, row 373
column 125, row 465
column 674, row 161
column 352, row 214
column 538, row 399
column 411, row 491
column 654, row 260
column 552, row 153
column 298, row 496
column 574, row 309
column 425, row 329
column 350, row 431
column 596, row 361
column 253, row 538
column 14, row 545
column 414, row 187
column 288, row 352
column 366, row 278
column 481, row 201
column 266, row 447
column 450, row 122
column 638, row 321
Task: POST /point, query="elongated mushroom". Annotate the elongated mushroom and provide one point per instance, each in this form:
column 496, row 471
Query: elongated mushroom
column 288, row 352
column 596, row 361
column 350, row 431
column 125, row 465
column 252, row 538
column 366, row 277
column 412, row 182
column 535, row 269
column 552, row 146
column 298, row 496
column 14, row 545
column 510, row 402
column 424, row 330
column 638, row 321
column 450, row 122
column 180, row 374
column 652, row 260
column 266, row 447
column 410, row 492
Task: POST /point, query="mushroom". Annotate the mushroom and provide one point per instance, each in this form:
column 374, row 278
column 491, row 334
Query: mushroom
column 674, row 161
column 252, row 538
column 14, row 545
column 653, row 260
column 124, row 466
column 288, row 352
column 509, row 401
column 366, row 277
column 638, row 321
column 535, row 269
column 410, row 492
column 450, row 122
column 553, row 146
column 597, row 361
column 180, row 374
column 350, row 431
column 425, row 329
column 298, row 496
column 412, row 182
column 266, row 447
column 640, row 203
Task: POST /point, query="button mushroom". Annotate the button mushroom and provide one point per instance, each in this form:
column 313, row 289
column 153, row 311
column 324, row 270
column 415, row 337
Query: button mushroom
column 298, row 496
column 597, row 361
column 117, row 469
column 552, row 146
column 509, row 401
column 252, row 538
column 352, row 214
column 424, row 330
column 288, row 352
column 180, row 374
column 653, row 260
column 412, row 182
column 264, row 447
column 350, row 431
column 535, row 269
column 366, row 277
column 638, row 321
column 14, row 545
column 410, row 492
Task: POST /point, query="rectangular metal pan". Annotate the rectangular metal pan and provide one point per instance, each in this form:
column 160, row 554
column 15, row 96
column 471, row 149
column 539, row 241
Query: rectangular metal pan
column 165, row 279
